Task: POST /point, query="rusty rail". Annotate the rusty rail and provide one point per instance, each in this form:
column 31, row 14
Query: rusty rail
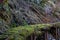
column 34, row 37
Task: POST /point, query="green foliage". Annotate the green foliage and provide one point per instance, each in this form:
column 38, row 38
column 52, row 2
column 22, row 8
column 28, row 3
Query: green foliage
column 13, row 25
column 21, row 32
column 1, row 6
column 24, row 23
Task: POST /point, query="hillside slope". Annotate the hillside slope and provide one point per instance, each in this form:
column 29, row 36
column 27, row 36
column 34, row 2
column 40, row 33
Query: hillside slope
column 32, row 13
column 23, row 12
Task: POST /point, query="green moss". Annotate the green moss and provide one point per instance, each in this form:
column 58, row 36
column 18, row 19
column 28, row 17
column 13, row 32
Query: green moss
column 24, row 31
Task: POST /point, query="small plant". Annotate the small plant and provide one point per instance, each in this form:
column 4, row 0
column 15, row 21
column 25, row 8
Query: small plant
column 24, row 23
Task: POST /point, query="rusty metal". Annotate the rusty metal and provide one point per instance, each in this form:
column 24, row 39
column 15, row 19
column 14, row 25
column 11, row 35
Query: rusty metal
column 35, row 37
column 59, row 33
column 56, row 33
column 46, row 35
column 31, row 37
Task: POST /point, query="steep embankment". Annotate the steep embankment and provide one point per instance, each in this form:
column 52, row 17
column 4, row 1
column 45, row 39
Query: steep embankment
column 22, row 13
column 33, row 14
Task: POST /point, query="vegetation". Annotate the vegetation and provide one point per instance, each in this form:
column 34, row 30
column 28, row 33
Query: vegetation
column 20, row 19
column 21, row 32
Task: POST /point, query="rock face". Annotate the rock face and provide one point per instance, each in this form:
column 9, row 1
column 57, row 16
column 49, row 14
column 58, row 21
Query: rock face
column 31, row 14
column 4, row 21
column 1, row 1
column 22, row 12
